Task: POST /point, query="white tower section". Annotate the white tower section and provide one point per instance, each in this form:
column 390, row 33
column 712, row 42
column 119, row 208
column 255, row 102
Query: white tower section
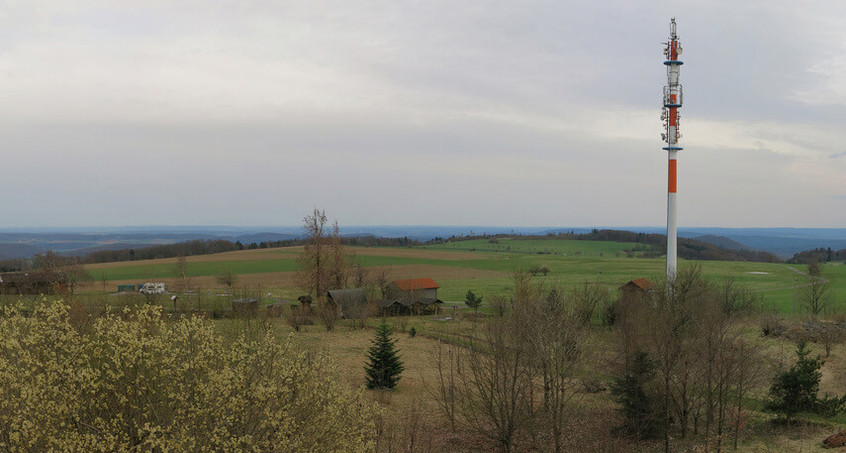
column 670, row 116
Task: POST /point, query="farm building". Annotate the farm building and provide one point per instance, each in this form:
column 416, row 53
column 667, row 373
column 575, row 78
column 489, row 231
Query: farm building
column 637, row 285
column 419, row 295
column 348, row 301
column 33, row 282
column 416, row 288
column 408, row 306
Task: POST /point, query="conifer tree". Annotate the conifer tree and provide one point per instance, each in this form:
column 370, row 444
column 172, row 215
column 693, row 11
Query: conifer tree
column 384, row 367
column 795, row 390
column 472, row 301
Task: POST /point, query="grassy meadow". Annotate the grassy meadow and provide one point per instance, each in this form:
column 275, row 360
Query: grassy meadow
column 480, row 265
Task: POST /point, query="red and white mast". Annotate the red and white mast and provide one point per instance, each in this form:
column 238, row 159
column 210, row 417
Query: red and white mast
column 670, row 116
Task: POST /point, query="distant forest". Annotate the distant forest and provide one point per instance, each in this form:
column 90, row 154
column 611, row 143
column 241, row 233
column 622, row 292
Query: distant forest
column 191, row 248
column 818, row 256
column 690, row 249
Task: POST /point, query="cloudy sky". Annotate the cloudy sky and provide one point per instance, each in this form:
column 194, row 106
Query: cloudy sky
column 522, row 113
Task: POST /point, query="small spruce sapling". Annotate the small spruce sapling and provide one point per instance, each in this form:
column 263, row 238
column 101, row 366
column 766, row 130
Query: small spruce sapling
column 473, row 301
column 795, row 390
column 384, row 367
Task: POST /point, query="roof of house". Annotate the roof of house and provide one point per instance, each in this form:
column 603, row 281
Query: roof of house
column 346, row 298
column 415, row 284
column 641, row 283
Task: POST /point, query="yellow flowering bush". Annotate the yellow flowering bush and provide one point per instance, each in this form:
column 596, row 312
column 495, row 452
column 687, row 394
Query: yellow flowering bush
column 138, row 382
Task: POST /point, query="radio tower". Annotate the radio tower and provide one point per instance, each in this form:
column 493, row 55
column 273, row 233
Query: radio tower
column 670, row 117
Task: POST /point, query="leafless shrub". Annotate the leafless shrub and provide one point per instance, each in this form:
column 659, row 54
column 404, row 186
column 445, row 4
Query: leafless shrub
column 772, row 325
column 446, row 390
column 296, row 317
column 816, row 296
column 496, row 398
column 328, row 315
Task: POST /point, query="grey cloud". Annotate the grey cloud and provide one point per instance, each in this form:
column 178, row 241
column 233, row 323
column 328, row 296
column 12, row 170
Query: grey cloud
column 484, row 112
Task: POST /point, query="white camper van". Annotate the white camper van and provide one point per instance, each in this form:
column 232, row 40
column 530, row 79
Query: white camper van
column 153, row 288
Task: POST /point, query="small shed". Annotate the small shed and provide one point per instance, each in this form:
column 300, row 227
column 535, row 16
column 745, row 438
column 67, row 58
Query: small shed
column 348, row 301
column 247, row 305
column 32, row 282
column 637, row 285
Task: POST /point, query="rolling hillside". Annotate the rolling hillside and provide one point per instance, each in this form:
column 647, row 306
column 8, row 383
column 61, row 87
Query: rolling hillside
column 480, row 265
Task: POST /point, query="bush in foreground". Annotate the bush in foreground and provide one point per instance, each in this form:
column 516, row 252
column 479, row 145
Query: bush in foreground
column 137, row 382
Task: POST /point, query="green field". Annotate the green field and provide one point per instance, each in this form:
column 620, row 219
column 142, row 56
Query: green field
column 563, row 247
column 570, row 262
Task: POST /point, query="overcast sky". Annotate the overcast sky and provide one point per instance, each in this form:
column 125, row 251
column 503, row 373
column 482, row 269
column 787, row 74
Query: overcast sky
column 453, row 113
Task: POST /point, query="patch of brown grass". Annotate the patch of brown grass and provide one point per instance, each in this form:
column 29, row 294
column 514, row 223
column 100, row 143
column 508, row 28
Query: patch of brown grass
column 292, row 252
column 238, row 255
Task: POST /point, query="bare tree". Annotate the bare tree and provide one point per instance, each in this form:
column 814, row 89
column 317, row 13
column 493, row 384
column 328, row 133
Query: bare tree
column 671, row 334
column 295, row 317
column 313, row 273
column 322, row 264
column 338, row 265
column 359, row 274
column 446, row 391
column 689, row 331
column 184, row 281
column 749, row 371
column 816, row 296
column 556, row 334
column 585, row 299
column 227, row 279
column 496, row 397
column 64, row 273
column 327, row 313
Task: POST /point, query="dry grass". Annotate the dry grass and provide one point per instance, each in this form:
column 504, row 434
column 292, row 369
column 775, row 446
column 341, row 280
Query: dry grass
column 238, row 255
column 293, row 252
column 594, row 415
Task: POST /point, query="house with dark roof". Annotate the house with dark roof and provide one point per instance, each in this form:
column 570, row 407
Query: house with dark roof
column 349, row 302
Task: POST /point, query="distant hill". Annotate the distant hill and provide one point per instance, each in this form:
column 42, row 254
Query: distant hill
column 19, row 243
column 263, row 237
column 722, row 241
column 15, row 250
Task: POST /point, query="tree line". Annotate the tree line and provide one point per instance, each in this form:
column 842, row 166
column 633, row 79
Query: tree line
column 690, row 249
column 818, row 255
column 191, row 248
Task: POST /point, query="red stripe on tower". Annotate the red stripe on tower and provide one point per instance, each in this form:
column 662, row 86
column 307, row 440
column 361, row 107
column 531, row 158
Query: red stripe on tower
column 672, row 179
